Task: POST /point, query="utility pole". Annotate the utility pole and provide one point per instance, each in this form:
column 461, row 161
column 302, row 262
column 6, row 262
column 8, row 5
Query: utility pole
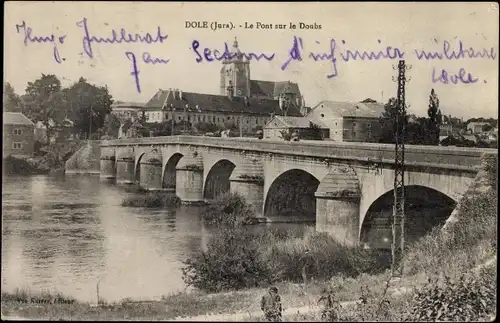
column 398, row 214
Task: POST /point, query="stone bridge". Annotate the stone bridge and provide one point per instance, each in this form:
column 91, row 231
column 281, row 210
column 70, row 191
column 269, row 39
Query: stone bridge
column 346, row 188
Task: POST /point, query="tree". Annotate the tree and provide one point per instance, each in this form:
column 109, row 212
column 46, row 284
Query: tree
column 416, row 131
column 161, row 129
column 111, row 125
column 44, row 101
column 388, row 121
column 11, row 101
column 205, row 127
column 89, row 105
column 487, row 127
column 435, row 118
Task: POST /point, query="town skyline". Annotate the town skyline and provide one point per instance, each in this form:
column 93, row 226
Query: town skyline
column 355, row 81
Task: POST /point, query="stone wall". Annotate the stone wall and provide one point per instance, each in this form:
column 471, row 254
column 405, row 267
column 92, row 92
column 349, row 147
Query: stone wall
column 86, row 160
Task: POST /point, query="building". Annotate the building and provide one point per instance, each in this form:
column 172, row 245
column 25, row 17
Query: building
column 358, row 121
column 476, row 127
column 127, row 110
column 18, row 134
column 241, row 100
column 221, row 110
column 303, row 127
column 235, row 72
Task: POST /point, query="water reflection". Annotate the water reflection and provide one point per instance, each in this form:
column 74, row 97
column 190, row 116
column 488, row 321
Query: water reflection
column 68, row 234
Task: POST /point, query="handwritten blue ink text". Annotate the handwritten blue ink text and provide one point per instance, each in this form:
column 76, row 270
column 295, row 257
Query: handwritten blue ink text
column 211, row 55
column 29, row 38
column 116, row 37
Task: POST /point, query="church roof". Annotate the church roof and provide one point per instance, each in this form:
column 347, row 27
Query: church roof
column 272, row 89
column 216, row 103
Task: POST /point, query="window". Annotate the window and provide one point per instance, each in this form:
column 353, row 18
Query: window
column 17, row 145
column 229, row 118
column 179, row 117
column 354, row 124
column 18, row 132
column 354, row 133
column 213, row 118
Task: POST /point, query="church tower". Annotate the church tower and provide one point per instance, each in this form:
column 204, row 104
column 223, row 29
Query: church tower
column 235, row 72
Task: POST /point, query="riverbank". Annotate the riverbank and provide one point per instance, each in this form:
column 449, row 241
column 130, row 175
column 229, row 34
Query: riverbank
column 39, row 165
column 50, row 159
column 178, row 306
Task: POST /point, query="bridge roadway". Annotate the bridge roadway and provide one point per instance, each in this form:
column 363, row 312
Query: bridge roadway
column 337, row 184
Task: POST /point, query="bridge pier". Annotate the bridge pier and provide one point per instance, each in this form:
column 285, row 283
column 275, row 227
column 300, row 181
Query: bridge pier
column 189, row 178
column 125, row 167
column 337, row 206
column 247, row 180
column 151, row 171
column 107, row 164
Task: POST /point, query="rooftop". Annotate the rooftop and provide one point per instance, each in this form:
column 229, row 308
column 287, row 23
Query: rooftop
column 272, row 89
column 353, row 109
column 117, row 104
column 16, row 118
column 199, row 102
column 293, row 122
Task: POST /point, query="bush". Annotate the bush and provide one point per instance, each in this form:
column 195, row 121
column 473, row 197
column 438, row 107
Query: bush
column 152, row 200
column 470, row 298
column 322, row 256
column 232, row 261
column 228, row 209
column 136, row 188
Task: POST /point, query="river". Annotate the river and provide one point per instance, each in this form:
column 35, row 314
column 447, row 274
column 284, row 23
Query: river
column 66, row 234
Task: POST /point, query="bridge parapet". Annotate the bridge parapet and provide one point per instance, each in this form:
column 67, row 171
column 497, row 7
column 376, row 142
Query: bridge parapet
column 458, row 158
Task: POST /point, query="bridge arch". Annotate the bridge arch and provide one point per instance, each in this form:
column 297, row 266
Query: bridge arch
column 217, row 180
column 292, row 194
column 137, row 172
column 425, row 208
column 169, row 173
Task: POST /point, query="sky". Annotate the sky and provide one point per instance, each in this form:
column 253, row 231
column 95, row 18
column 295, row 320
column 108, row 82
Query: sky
column 361, row 26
